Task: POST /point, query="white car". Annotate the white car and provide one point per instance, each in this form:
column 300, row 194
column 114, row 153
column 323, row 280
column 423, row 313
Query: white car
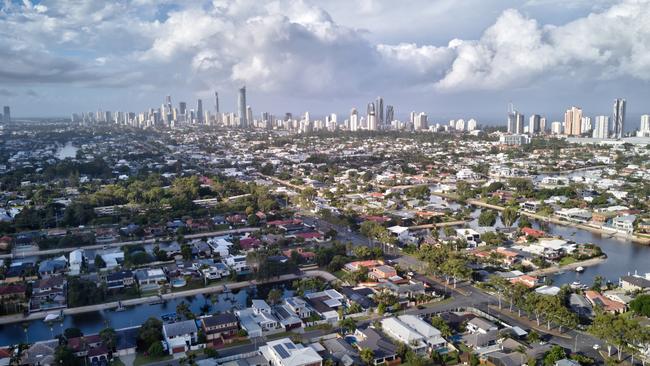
column 596, row 346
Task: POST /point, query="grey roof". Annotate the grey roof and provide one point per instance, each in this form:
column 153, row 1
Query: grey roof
column 127, row 338
column 482, row 323
column 377, row 343
column 636, row 281
column 219, row 319
column 180, row 328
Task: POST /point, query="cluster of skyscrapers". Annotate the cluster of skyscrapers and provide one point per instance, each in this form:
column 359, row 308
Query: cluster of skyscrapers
column 576, row 124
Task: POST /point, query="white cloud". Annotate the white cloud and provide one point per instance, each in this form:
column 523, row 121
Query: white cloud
column 298, row 48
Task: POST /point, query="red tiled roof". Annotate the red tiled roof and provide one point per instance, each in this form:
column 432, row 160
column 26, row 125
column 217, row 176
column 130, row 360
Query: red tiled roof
column 12, row 289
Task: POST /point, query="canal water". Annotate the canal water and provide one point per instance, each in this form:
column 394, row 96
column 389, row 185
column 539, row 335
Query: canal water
column 67, row 151
column 93, row 322
column 623, row 256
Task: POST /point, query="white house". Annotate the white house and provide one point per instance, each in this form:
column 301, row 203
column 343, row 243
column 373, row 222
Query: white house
column 76, row 261
column 237, row 263
column 401, row 332
column 283, row 352
column 480, row 325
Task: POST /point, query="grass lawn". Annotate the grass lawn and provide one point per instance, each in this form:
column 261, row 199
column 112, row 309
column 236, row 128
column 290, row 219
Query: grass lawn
column 324, row 326
column 141, row 359
column 192, row 285
column 117, row 362
column 567, row 260
column 339, row 274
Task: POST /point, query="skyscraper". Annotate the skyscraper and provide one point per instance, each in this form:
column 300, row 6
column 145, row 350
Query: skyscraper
column 249, row 115
column 241, row 107
column 573, row 121
column 618, row 118
column 515, row 121
column 372, row 117
column 534, row 124
column 7, row 114
column 644, row 127
column 601, row 130
column 216, row 103
column 390, row 114
column 199, row 111
column 542, row 125
column 354, row 120
column 379, row 111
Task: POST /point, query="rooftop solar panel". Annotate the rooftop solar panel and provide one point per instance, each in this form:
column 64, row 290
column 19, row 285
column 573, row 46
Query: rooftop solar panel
column 281, row 351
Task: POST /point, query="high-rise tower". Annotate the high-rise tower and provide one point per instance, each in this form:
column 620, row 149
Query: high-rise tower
column 618, row 118
column 241, row 107
column 199, row 111
column 379, row 111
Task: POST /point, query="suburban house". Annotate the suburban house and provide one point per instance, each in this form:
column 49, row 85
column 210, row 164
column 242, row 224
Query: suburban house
column 48, row 293
column 150, row 279
column 283, row 352
column 382, row 272
column 180, row 336
column 383, row 350
column 480, row 325
column 119, row 280
column 634, row 283
column 220, row 328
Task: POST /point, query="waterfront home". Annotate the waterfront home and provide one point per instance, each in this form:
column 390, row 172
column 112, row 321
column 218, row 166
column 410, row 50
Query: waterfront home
column 608, row 305
column 383, row 350
column 220, row 329
column 120, row 280
column 283, row 352
column 624, row 223
column 48, row 293
column 237, row 263
column 259, row 319
column 150, row 279
column 180, row 336
column 127, row 340
column 12, row 298
column 40, row 354
column 287, row 318
column 81, row 345
column 634, row 283
column 480, row 325
column 472, row 237
column 216, row 271
column 526, row 280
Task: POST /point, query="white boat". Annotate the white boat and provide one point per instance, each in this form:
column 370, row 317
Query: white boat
column 576, row 285
column 53, row 317
column 580, row 269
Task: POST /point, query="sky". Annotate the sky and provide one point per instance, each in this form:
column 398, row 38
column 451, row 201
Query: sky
column 448, row 58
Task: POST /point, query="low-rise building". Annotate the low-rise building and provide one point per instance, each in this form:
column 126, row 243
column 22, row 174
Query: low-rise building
column 283, row 352
column 180, row 336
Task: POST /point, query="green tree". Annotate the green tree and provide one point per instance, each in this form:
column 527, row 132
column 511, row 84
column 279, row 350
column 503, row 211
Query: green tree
column 555, row 354
column 641, row 305
column 487, row 218
column 440, row 324
column 348, row 324
column 509, row 216
column 156, row 349
column 150, row 333
column 109, row 337
column 367, row 356
column 99, row 261
column 275, row 295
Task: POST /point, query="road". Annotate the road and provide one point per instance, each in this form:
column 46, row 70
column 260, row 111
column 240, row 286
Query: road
column 22, row 254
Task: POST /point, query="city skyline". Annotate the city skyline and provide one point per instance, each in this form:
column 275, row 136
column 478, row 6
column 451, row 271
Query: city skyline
column 346, row 56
